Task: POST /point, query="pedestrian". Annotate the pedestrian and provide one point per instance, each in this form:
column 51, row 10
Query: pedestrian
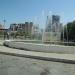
column 5, row 34
column 8, row 35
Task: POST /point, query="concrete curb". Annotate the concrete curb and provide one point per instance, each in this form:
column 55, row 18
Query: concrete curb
column 41, row 47
column 55, row 57
column 40, row 57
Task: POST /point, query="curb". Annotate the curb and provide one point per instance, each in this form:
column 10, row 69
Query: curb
column 40, row 58
column 40, row 47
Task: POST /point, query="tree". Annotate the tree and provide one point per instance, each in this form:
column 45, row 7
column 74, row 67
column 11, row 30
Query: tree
column 70, row 31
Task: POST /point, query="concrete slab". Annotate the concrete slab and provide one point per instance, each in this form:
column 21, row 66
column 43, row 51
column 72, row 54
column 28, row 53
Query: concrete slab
column 12, row 65
column 66, row 58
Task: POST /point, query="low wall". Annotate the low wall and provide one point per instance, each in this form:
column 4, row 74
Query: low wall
column 41, row 47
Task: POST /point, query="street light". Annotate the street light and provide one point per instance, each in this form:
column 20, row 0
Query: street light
column 67, row 34
column 4, row 28
column 63, row 33
column 4, row 22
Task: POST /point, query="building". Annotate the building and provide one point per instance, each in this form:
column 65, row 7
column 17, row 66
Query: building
column 2, row 29
column 52, row 23
column 28, row 27
column 25, row 27
column 53, row 31
column 13, row 27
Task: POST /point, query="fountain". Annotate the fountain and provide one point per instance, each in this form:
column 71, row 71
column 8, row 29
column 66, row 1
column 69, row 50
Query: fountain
column 52, row 32
column 51, row 36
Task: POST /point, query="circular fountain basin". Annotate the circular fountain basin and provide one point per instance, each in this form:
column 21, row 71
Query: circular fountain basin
column 26, row 45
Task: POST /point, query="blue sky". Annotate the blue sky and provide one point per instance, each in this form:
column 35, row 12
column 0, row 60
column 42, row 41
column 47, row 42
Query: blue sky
column 18, row 11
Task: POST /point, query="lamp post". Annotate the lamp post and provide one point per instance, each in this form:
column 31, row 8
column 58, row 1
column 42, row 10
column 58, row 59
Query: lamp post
column 67, row 34
column 4, row 28
column 63, row 33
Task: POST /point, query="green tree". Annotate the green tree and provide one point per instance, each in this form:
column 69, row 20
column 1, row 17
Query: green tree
column 70, row 31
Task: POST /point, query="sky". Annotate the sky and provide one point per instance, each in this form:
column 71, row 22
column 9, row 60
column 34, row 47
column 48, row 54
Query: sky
column 19, row 11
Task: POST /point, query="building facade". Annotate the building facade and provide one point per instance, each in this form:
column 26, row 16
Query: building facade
column 27, row 26
column 13, row 27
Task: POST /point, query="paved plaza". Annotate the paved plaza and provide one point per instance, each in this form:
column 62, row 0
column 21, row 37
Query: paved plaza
column 12, row 65
column 20, row 62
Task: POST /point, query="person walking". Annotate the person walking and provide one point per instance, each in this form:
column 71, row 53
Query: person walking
column 8, row 35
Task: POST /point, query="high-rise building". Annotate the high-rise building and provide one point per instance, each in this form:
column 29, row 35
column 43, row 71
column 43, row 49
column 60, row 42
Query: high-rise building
column 55, row 23
column 52, row 23
column 55, row 19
